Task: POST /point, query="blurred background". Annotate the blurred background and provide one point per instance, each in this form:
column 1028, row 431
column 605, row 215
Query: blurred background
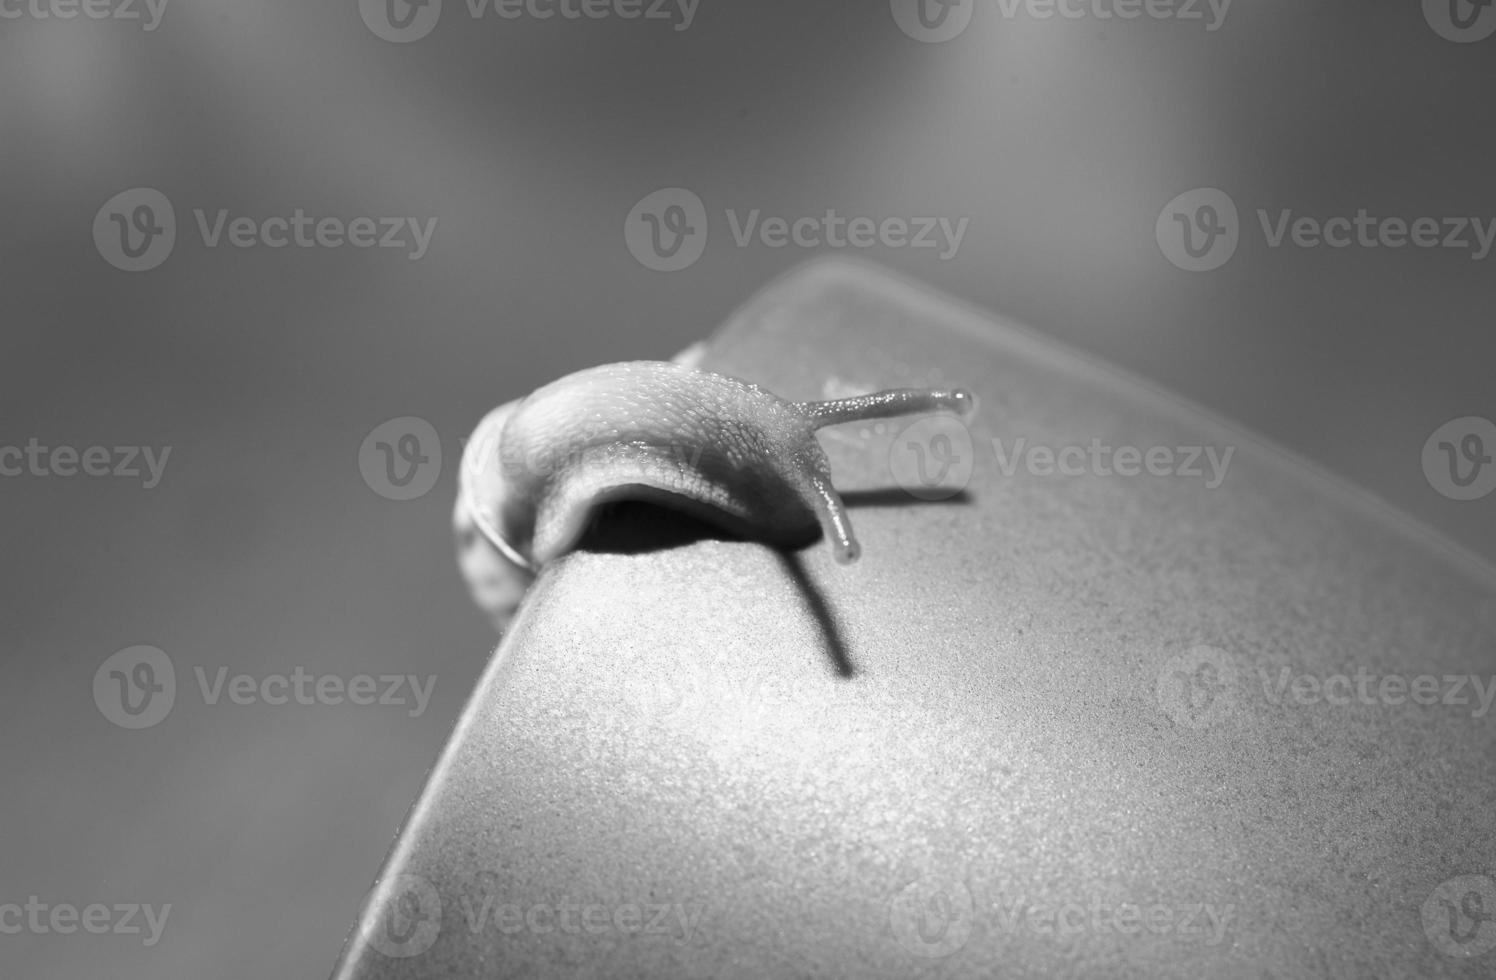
column 288, row 532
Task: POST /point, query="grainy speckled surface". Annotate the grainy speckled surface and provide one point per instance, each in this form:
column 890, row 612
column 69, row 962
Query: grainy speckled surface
column 668, row 726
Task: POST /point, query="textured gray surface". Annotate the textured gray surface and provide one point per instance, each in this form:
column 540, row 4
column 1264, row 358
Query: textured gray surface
column 670, row 723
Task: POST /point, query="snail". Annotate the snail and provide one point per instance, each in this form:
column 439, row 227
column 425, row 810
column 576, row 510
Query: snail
column 715, row 447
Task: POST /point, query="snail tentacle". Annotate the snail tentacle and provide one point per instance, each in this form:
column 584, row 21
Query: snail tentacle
column 835, row 524
column 887, row 404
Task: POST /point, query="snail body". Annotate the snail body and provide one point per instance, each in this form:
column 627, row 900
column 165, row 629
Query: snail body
column 719, row 448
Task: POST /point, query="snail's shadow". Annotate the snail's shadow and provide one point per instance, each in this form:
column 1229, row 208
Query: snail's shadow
column 629, row 527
